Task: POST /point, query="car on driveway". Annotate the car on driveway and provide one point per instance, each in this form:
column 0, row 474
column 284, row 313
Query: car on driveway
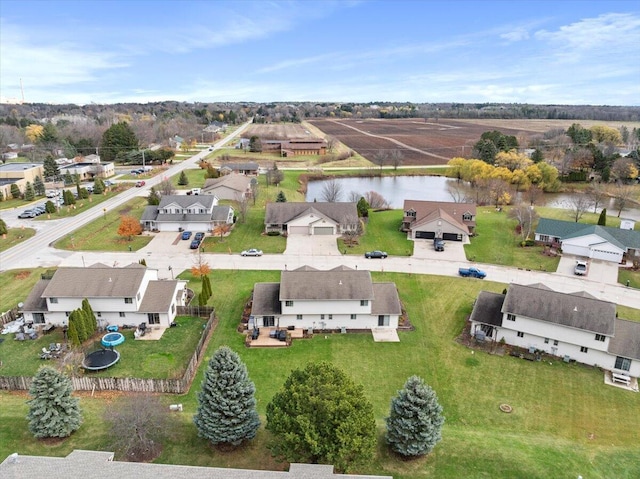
column 252, row 252
column 186, row 235
column 195, row 244
column 199, row 236
column 140, row 183
column 376, row 254
column 580, row 268
column 27, row 214
column 438, row 245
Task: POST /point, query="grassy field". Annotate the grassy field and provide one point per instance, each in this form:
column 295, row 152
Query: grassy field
column 382, row 232
column 102, row 233
column 15, row 236
column 558, row 427
column 15, row 286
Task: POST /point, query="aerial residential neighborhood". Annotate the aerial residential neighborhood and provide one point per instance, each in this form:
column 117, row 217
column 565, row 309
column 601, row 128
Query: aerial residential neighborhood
column 319, row 239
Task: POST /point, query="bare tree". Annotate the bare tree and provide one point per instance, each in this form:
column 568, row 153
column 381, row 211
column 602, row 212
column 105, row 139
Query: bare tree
column 534, row 195
column 331, row 191
column 356, row 230
column 243, row 207
column 354, row 197
column 254, row 189
column 597, row 193
column 395, row 158
column 526, row 216
column 331, row 143
column 579, row 204
column 457, row 192
column 166, row 188
column 622, row 196
column 376, row 200
column 137, row 427
column 380, row 158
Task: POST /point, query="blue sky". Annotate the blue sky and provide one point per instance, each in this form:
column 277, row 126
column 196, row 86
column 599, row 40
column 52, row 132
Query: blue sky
column 558, row 52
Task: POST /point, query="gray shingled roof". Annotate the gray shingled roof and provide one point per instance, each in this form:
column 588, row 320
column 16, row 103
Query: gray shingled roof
column 335, row 284
column 158, row 296
column 187, row 201
column 565, row 309
column 35, row 301
column 282, row 213
column 94, row 282
column 386, row 300
column 626, row 342
column 448, row 209
column 569, row 229
column 233, row 181
column 220, row 213
column 150, row 213
column 266, row 300
column 239, row 166
column 488, row 308
column 98, row 465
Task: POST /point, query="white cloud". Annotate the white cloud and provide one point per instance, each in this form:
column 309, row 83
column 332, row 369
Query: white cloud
column 515, row 35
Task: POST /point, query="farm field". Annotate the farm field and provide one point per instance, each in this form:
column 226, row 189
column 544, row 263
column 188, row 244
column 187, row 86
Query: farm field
column 277, row 131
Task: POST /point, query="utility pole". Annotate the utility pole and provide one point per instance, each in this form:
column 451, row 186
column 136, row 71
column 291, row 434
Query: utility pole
column 143, row 159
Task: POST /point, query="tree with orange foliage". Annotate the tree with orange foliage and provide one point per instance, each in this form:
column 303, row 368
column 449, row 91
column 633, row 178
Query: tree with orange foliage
column 129, row 226
column 221, row 229
column 201, row 267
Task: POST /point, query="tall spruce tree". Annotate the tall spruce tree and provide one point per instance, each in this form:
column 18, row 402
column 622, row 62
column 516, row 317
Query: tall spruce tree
column 53, row 412
column 281, row 198
column 415, row 421
column 38, row 186
column 226, row 411
column 29, row 194
column 602, row 220
column 183, row 180
column 92, row 321
column 51, row 170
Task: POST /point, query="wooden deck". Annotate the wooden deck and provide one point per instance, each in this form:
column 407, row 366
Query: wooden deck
column 264, row 341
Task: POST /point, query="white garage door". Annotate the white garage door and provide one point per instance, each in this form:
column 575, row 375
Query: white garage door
column 606, row 255
column 575, row 249
column 323, row 230
column 298, row 230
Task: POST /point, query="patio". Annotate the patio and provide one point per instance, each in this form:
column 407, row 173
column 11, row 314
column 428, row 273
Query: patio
column 609, row 381
column 265, row 339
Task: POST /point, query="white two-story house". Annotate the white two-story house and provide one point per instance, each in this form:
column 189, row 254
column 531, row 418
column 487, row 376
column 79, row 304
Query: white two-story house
column 129, row 295
column 186, row 213
column 574, row 326
column 340, row 298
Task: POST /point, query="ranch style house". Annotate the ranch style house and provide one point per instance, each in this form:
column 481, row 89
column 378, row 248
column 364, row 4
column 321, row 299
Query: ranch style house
column 573, row 326
column 129, row 295
column 439, row 220
column 340, row 298
column 316, row 218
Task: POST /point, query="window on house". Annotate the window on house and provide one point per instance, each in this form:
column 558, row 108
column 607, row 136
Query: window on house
column 511, row 317
column 38, row 318
column 99, row 314
column 322, row 316
column 467, row 217
column 520, row 334
column 173, row 308
column 298, row 316
column 584, row 349
column 600, row 337
column 128, row 300
column 364, row 302
column 67, row 313
column 546, row 340
column 331, row 316
column 544, row 238
column 555, row 342
column 122, row 315
column 53, row 300
column 354, row 316
column 624, row 364
column 288, row 302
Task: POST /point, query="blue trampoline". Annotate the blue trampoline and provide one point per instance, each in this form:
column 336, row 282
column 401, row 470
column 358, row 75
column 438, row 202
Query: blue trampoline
column 112, row 339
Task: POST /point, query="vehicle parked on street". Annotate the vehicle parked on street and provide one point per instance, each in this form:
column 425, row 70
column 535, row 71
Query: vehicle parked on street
column 186, row 235
column 580, row 268
column 251, row 252
column 375, row 254
column 472, row 272
column 438, row 245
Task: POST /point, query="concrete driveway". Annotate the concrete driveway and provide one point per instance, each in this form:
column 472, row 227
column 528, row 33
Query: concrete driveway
column 314, row 245
column 453, row 250
column 597, row 270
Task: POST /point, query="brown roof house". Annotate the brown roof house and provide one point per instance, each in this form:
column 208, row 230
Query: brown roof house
column 439, row 220
column 229, row 187
column 129, row 295
column 317, row 218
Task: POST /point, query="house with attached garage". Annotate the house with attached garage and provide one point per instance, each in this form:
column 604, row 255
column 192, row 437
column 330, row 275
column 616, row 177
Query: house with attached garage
column 311, row 218
column 186, row 213
column 340, row 298
column 591, row 241
column 574, row 326
column 233, row 186
column 129, row 295
column 439, row 220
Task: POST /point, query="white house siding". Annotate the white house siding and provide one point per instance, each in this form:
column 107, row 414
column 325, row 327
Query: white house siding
column 439, row 227
column 592, row 246
column 174, row 227
column 320, row 307
column 305, row 224
column 315, row 321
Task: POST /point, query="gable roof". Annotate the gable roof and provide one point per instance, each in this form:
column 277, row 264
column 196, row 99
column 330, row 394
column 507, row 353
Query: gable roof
column 233, row 181
column 282, row 213
column 239, row 166
column 96, row 281
column 187, row 201
column 569, row 310
column 448, row 210
column 568, row 229
column 626, row 342
column 441, row 214
column 158, row 297
column 336, row 284
column 488, row 308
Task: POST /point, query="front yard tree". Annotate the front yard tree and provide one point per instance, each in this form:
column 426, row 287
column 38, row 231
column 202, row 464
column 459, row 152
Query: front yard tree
column 281, row 198
column 183, row 180
column 53, row 412
column 321, row 416
column 50, row 207
column 118, row 139
column 414, row 425
column 154, row 197
column 226, row 411
column 129, row 227
column 68, row 198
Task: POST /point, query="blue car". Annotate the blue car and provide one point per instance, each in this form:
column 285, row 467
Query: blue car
column 195, row 244
column 186, row 235
column 199, row 236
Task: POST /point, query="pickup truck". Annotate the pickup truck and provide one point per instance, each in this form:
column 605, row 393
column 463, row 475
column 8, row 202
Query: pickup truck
column 472, row 272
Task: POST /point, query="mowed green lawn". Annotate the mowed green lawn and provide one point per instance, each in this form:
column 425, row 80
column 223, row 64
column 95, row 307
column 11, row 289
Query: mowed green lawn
column 565, row 421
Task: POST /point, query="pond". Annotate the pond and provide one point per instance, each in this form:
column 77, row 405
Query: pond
column 395, row 189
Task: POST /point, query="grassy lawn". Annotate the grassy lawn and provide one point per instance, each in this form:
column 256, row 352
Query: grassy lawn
column 382, row 232
column 557, row 428
column 15, row 286
column 633, row 277
column 15, row 236
column 102, row 233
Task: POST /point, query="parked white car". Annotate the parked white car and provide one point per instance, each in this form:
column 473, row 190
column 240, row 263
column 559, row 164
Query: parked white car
column 252, row 252
column 580, row 268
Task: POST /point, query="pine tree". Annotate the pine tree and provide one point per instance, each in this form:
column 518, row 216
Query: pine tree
column 415, row 421
column 68, row 179
column 3, row 227
column 15, row 191
column 53, row 412
column 98, row 186
column 38, row 186
column 51, row 170
column 76, row 317
column 92, row 320
column 602, row 220
column 183, row 180
column 72, row 334
column 143, row 262
column 281, row 198
column 226, row 411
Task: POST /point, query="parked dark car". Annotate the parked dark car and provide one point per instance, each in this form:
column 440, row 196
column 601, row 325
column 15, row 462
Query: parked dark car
column 186, row 235
column 199, row 236
column 438, row 245
column 195, row 244
column 375, row 254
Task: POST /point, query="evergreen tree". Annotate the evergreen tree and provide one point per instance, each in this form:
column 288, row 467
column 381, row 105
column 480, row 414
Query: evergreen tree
column 206, row 283
column 98, row 186
column 1, row 196
column 143, row 262
column 68, row 179
column 38, row 186
column 363, row 207
column 29, row 194
column 68, row 197
column 202, row 298
column 226, row 411
column 92, row 320
column 415, row 421
column 602, row 220
column 72, row 333
column 537, row 156
column 281, row 198
column 117, row 140
column 15, row 191
column 53, row 412
column 154, row 197
column 76, row 317
column 3, row 227
column 183, row 180
column 50, row 207
column 51, row 170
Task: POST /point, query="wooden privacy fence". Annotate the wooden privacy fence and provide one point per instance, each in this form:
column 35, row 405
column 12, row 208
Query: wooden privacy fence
column 8, row 316
column 94, row 383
